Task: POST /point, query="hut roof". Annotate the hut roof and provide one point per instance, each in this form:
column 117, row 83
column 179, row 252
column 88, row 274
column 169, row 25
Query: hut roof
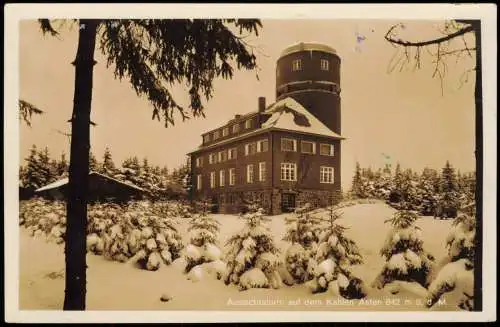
column 65, row 181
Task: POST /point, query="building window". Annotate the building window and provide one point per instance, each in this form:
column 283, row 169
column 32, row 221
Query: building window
column 216, row 134
column 222, row 198
column 212, row 158
column 288, row 144
column 296, row 65
column 222, row 178
column 262, row 146
column 212, row 179
column 249, row 173
column 248, row 124
column 231, row 154
column 236, row 128
column 288, row 171
column 262, row 171
column 326, row 150
column 225, row 131
column 250, row 148
column 326, row 175
column 222, row 156
column 325, row 64
column 199, row 162
column 308, row 147
column 198, row 182
column 232, row 176
column 206, row 138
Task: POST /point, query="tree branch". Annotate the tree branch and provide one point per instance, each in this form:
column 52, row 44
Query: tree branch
column 448, row 37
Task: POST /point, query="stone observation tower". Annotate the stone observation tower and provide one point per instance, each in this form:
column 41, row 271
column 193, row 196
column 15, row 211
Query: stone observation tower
column 309, row 72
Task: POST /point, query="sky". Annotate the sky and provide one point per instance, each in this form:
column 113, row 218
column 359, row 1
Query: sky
column 387, row 116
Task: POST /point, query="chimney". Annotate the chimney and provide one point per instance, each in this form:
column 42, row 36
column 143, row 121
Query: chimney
column 237, row 117
column 262, row 104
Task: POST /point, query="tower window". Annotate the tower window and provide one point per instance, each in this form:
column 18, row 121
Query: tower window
column 325, row 64
column 296, row 65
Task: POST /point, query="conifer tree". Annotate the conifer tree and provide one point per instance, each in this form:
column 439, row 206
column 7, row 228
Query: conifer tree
column 448, row 198
column 45, row 167
column 32, row 177
column 253, row 258
column 357, row 187
column 303, row 232
column 93, row 163
column 203, row 243
column 108, row 166
column 406, row 259
column 456, row 270
column 62, row 166
column 333, row 260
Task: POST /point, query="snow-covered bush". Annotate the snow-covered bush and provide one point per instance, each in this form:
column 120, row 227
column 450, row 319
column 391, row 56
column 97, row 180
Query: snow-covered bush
column 333, row 259
column 457, row 267
column 44, row 218
column 403, row 251
column 151, row 235
column 302, row 231
column 253, row 258
column 203, row 234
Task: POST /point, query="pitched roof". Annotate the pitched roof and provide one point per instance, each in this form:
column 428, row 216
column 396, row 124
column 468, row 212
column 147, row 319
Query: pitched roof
column 65, row 181
column 285, row 114
column 290, row 115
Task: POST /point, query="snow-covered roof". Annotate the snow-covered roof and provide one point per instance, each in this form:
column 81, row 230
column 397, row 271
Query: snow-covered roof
column 286, row 114
column 290, row 115
column 53, row 185
column 65, row 181
column 307, row 46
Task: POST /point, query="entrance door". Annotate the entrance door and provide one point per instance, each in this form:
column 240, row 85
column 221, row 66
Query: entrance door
column 287, row 202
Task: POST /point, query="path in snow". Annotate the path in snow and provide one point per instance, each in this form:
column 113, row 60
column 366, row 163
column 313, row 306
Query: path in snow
column 118, row 286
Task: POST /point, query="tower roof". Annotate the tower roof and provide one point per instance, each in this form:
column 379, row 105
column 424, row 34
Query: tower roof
column 307, row 46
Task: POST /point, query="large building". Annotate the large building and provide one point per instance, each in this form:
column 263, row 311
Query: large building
column 284, row 154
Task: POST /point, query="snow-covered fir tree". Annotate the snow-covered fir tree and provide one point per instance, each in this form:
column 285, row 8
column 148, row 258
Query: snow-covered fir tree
column 303, row 233
column 333, row 261
column 357, row 188
column 203, row 239
column 62, row 166
column 426, row 191
column 456, row 272
column 448, row 197
column 252, row 257
column 108, row 166
column 45, row 167
column 93, row 163
column 406, row 259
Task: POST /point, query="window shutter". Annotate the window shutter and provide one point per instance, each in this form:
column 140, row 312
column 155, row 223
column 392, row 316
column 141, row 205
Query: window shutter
column 332, row 149
column 259, row 146
column 294, row 145
column 314, row 148
column 246, row 149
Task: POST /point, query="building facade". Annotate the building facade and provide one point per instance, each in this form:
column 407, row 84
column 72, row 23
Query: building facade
column 284, row 154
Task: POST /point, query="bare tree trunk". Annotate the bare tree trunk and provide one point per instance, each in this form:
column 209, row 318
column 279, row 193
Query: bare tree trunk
column 76, row 224
column 478, row 94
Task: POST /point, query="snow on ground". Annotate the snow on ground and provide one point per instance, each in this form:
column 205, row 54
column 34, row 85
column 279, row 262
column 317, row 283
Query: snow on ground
column 118, row 286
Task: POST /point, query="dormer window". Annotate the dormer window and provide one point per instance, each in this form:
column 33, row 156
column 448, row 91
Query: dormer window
column 216, row 134
column 296, row 65
column 236, row 128
column 206, row 138
column 325, row 64
column 248, row 123
column 225, row 131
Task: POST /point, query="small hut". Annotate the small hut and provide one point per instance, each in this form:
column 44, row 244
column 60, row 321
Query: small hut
column 101, row 188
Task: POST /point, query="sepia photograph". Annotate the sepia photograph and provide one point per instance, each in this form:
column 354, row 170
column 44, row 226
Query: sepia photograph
column 226, row 163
